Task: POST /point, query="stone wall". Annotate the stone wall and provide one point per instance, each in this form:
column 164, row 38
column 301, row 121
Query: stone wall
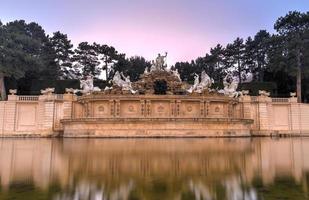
column 33, row 115
column 46, row 115
column 283, row 116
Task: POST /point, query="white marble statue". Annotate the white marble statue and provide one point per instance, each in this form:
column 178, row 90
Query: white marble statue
column 264, row 93
column 69, row 90
column 153, row 66
column 205, row 83
column 48, row 91
column 123, row 82
column 160, row 62
column 146, row 71
column 196, row 83
column 107, row 88
column 87, row 86
column 230, row 86
column 176, row 73
column 117, row 79
column 13, row 91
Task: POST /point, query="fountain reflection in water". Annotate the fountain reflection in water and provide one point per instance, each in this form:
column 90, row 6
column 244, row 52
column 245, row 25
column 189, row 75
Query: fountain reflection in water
column 154, row 169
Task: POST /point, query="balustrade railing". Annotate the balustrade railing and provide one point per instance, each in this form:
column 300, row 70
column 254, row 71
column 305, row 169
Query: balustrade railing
column 280, row 100
column 28, row 98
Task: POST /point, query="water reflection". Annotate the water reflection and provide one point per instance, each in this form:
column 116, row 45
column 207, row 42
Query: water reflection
column 119, row 169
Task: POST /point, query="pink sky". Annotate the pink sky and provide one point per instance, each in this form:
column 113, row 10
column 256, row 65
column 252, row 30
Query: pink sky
column 185, row 29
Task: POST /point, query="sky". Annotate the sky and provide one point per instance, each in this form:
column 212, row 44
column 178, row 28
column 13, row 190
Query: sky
column 186, row 29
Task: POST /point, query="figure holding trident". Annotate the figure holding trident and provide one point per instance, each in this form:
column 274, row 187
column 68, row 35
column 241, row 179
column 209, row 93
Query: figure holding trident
column 160, row 62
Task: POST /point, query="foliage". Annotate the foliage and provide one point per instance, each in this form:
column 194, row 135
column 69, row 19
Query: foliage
column 23, row 47
column 133, row 66
column 62, row 47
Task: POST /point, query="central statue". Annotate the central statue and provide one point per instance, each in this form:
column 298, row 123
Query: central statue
column 160, row 63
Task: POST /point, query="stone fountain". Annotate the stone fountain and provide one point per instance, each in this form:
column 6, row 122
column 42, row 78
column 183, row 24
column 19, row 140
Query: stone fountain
column 159, row 104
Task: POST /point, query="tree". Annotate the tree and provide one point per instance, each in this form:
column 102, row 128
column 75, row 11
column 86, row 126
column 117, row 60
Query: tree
column 293, row 27
column 249, row 57
column 23, row 47
column 134, row 66
column 108, row 57
column 234, row 58
column 216, row 59
column 186, row 70
column 261, row 40
column 62, row 47
column 86, row 59
column 256, row 51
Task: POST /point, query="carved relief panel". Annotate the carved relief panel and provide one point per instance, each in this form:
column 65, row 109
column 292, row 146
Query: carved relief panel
column 217, row 110
column 130, row 108
column 190, row 109
column 160, row 109
column 101, row 109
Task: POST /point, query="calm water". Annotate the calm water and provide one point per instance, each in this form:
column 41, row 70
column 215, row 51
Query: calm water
column 171, row 169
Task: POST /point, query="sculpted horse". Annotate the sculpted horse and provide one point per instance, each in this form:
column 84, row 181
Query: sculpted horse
column 230, row 87
column 87, row 86
column 196, row 83
column 205, row 83
column 123, row 81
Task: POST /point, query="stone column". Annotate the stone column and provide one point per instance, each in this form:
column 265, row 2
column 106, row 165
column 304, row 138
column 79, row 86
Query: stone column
column 207, row 103
column 47, row 107
column 295, row 115
column 264, row 114
column 10, row 115
column 148, row 108
column 230, row 110
column 68, row 105
column 202, row 108
column 112, row 108
column 172, row 108
column 177, row 110
column 87, row 109
column 143, row 108
column 2, row 110
column 117, row 109
column 246, row 107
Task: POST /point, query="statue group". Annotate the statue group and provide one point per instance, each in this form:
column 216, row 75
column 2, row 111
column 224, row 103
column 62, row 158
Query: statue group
column 201, row 83
column 230, row 84
column 123, row 81
column 200, row 86
column 159, row 64
column 87, row 86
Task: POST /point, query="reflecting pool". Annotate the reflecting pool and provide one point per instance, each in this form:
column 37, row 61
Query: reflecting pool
column 154, row 169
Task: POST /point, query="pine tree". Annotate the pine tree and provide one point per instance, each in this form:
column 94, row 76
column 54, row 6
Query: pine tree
column 86, row 59
column 63, row 55
column 23, row 47
column 256, row 50
column 293, row 27
column 234, row 58
column 108, row 57
column 216, row 58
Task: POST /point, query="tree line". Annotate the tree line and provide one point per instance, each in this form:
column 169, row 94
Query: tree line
column 282, row 57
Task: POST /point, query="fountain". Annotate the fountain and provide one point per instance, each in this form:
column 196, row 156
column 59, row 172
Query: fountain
column 159, row 104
